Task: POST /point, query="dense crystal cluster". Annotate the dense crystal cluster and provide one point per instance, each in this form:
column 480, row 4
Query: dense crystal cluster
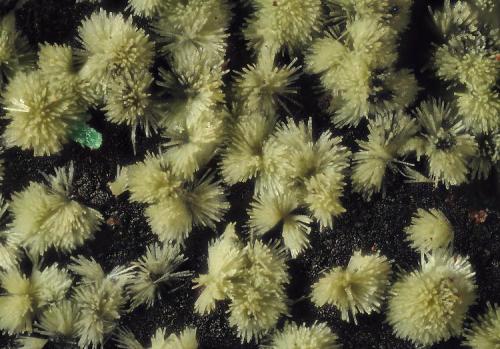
column 219, row 87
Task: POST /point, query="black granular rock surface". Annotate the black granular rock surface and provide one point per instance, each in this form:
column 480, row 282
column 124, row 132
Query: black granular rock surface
column 374, row 225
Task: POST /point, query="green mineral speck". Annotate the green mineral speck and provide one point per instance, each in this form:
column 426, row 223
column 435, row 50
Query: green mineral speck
column 87, row 136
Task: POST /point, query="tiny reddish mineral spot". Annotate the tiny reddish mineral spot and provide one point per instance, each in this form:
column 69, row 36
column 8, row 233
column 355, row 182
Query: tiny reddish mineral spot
column 478, row 216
